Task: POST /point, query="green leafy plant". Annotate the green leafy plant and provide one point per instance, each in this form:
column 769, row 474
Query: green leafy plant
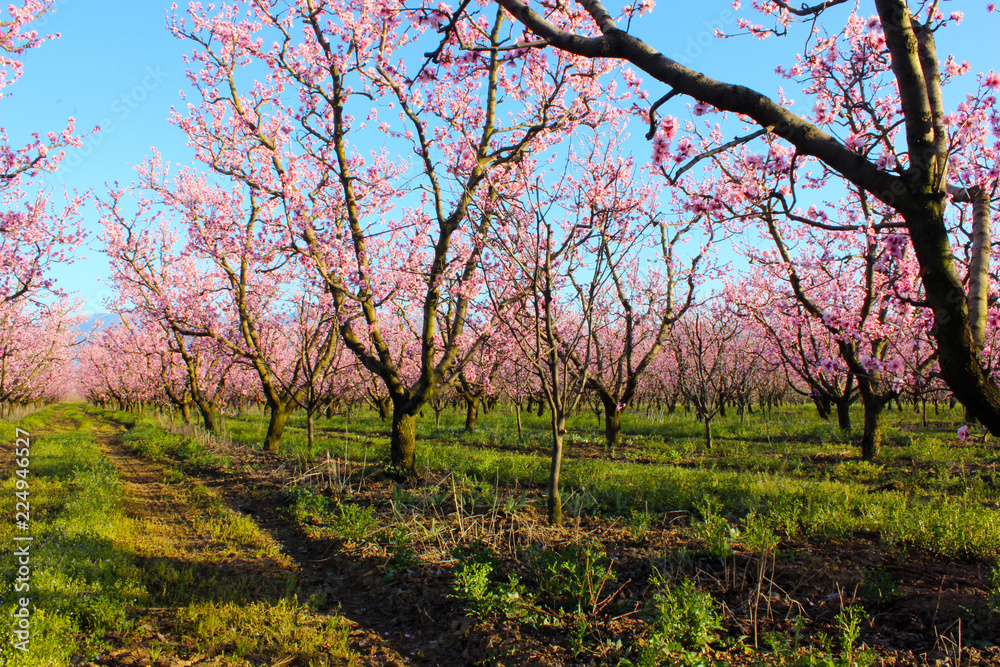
column 579, row 502
column 638, row 522
column 684, row 619
column 758, row 534
column 879, row 588
column 574, row 576
column 475, row 584
column 715, row 530
column 849, row 623
column 354, row 523
column 787, row 651
column 309, row 505
column 403, row 498
column 514, row 504
column 401, row 553
column 994, row 583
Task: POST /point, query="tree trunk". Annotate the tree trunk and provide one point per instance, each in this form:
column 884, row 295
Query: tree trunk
column 958, row 354
column 384, row 406
column 554, row 499
column 403, row 441
column 844, row 413
column 275, row 426
column 822, row 404
column 185, row 411
column 708, row 432
column 471, row 413
column 979, row 263
column 310, row 432
column 871, row 439
column 612, row 425
column 207, row 416
column 520, row 427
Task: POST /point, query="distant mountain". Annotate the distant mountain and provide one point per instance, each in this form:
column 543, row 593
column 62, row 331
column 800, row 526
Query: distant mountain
column 99, row 321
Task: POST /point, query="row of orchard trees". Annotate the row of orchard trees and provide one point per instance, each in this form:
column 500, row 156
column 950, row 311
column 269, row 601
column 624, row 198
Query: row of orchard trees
column 39, row 325
column 405, row 201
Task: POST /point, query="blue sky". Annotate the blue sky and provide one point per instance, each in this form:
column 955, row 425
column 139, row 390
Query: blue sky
column 119, row 68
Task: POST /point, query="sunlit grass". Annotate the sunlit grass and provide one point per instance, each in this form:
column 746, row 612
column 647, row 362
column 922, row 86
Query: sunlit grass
column 95, row 568
column 81, row 583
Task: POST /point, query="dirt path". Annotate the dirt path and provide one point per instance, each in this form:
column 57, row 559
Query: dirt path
column 175, row 537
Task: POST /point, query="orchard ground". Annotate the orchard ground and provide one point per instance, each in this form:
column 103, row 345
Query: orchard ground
column 155, row 545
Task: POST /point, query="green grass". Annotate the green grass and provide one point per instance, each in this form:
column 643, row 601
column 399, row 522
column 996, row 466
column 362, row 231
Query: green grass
column 95, row 570
column 249, row 632
column 799, row 474
column 81, row 584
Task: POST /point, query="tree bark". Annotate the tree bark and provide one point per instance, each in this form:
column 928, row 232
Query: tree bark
column 310, row 431
column 555, row 468
column 822, row 404
column 384, row 406
column 844, row 413
column 207, row 416
column 185, row 411
column 279, row 415
column 471, row 413
column 871, row 439
column 403, row 440
column 612, row 425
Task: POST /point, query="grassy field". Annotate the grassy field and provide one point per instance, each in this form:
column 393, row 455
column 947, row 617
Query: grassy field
column 132, row 563
column 779, row 546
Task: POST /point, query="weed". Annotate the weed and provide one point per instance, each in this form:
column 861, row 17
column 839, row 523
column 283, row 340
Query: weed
column 879, row 588
column 354, row 523
column 573, row 576
column 483, row 597
column 849, row 622
column 578, row 502
column 403, row 498
column 994, row 583
column 172, row 476
column 786, row 515
column 514, row 504
column 684, row 619
column 434, row 497
column 401, row 554
column 758, row 534
column 715, row 530
column 788, row 652
column 309, row 505
column 638, row 522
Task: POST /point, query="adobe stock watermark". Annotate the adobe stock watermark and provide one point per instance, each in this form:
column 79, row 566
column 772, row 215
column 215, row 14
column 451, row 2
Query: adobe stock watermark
column 22, row 538
column 120, row 109
column 699, row 42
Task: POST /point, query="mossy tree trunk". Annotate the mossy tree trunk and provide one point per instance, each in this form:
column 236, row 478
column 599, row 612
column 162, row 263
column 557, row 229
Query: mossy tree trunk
column 277, row 418
column 403, row 440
